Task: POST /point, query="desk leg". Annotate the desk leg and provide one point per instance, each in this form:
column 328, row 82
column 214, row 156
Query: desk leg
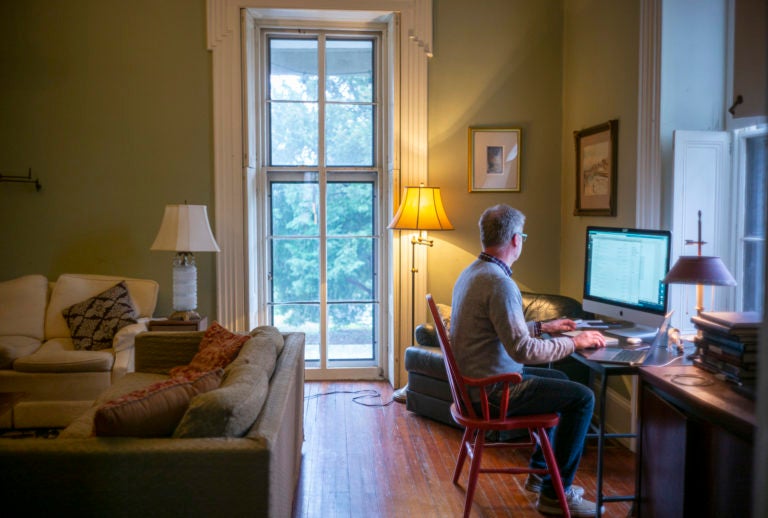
column 601, row 443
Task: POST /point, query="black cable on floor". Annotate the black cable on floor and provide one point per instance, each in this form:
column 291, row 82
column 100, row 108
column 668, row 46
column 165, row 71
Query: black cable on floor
column 364, row 393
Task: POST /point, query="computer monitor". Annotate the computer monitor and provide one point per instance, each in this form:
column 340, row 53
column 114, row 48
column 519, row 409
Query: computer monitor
column 623, row 273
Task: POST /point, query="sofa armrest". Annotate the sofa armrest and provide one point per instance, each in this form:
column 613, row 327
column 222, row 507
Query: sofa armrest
column 158, row 351
column 425, row 334
column 126, row 337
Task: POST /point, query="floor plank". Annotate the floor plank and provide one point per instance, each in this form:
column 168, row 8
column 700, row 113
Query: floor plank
column 384, row 461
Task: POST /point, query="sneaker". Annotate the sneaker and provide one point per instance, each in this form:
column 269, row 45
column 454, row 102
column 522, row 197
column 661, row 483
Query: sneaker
column 534, row 482
column 576, row 504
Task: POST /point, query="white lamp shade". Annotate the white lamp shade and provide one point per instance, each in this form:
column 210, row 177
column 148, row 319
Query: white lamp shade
column 185, row 228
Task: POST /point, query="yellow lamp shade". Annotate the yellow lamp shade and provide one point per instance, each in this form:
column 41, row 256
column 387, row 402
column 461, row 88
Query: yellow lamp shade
column 421, row 209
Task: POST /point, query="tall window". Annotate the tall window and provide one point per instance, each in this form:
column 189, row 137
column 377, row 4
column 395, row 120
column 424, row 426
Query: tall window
column 321, row 110
column 753, row 173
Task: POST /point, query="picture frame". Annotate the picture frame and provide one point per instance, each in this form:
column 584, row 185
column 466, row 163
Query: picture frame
column 596, row 169
column 494, row 159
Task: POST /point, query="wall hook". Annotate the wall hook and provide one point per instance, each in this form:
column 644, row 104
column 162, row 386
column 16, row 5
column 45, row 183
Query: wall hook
column 22, row 179
column 738, row 101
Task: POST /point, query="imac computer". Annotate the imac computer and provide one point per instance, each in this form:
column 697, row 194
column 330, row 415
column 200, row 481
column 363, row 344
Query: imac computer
column 623, row 273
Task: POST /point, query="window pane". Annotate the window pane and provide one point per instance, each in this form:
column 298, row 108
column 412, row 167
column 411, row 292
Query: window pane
column 754, row 224
column 294, row 208
column 295, row 270
column 757, row 162
column 350, row 208
column 350, row 269
column 303, row 318
column 754, row 259
column 349, row 135
column 293, row 74
column 349, row 69
column 351, row 331
column 293, row 134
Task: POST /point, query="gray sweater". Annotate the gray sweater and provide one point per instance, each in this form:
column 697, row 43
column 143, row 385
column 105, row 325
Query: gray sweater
column 488, row 330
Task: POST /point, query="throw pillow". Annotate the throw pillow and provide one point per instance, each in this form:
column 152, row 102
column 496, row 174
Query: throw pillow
column 218, row 348
column 445, row 315
column 153, row 411
column 94, row 322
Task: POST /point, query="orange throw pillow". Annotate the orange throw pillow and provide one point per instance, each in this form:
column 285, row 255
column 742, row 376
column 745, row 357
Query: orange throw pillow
column 218, row 348
column 154, row 411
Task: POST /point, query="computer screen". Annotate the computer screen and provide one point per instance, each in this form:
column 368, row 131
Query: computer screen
column 623, row 273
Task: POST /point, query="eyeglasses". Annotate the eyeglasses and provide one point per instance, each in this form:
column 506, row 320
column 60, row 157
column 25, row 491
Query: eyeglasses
column 524, row 236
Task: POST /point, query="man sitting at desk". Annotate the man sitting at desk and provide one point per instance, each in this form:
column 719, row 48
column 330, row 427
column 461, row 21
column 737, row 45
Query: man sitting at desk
column 490, row 336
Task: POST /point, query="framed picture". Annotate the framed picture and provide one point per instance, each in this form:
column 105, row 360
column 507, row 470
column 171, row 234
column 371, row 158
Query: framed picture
column 494, row 159
column 596, row 165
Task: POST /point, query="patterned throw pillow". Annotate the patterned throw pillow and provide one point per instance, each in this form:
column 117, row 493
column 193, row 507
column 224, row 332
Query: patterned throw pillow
column 445, row 315
column 153, row 411
column 94, row 322
column 218, row 348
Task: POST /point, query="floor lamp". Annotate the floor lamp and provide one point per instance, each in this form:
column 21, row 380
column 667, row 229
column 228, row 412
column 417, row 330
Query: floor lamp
column 421, row 208
column 699, row 270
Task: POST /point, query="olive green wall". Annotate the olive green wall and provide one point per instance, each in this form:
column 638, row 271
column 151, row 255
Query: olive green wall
column 549, row 68
column 496, row 64
column 600, row 83
column 109, row 103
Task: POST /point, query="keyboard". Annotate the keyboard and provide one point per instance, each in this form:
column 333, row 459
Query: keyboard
column 630, row 355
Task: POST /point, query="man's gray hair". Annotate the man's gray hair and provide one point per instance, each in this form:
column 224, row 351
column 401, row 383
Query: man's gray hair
column 498, row 224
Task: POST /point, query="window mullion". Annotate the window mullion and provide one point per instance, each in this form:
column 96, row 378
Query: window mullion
column 322, row 180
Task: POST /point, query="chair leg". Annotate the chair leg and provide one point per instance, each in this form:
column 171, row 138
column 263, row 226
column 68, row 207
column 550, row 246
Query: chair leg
column 554, row 471
column 462, row 456
column 474, row 471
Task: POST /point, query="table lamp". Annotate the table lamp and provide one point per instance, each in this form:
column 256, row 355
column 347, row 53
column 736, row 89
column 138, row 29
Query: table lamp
column 699, row 270
column 184, row 230
column 420, row 209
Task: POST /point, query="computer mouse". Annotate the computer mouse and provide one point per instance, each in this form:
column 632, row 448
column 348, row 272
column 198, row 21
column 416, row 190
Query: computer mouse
column 634, row 340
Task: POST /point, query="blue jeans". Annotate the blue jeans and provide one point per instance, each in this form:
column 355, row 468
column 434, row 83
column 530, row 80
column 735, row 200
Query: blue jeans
column 547, row 390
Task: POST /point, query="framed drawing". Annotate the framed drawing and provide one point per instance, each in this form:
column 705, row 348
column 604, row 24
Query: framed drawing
column 596, row 166
column 494, row 159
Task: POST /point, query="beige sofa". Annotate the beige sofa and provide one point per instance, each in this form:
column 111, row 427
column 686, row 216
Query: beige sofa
column 253, row 473
column 37, row 354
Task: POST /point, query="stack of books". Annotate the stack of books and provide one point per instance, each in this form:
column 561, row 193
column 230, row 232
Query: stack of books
column 727, row 345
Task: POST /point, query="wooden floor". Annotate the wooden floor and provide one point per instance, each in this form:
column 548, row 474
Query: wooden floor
column 384, row 461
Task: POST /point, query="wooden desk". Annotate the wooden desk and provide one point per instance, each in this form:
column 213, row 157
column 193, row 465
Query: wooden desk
column 695, row 450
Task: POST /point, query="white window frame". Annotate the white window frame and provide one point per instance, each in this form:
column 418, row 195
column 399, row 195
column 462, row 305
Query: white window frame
column 378, row 34
column 410, row 27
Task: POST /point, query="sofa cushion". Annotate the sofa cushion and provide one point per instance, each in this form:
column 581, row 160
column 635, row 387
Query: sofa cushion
column 22, row 306
column 261, row 350
column 217, row 349
column 94, row 322
column 231, row 409
column 58, row 355
column 70, row 289
column 14, row 347
column 154, row 411
column 272, row 334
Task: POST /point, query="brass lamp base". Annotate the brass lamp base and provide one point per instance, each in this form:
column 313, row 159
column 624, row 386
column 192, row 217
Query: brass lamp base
column 185, row 315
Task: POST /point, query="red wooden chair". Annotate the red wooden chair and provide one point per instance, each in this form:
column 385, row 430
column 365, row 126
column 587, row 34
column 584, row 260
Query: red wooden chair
column 475, row 426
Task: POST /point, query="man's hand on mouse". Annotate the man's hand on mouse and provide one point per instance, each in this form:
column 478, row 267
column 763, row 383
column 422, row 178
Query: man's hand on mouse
column 589, row 339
